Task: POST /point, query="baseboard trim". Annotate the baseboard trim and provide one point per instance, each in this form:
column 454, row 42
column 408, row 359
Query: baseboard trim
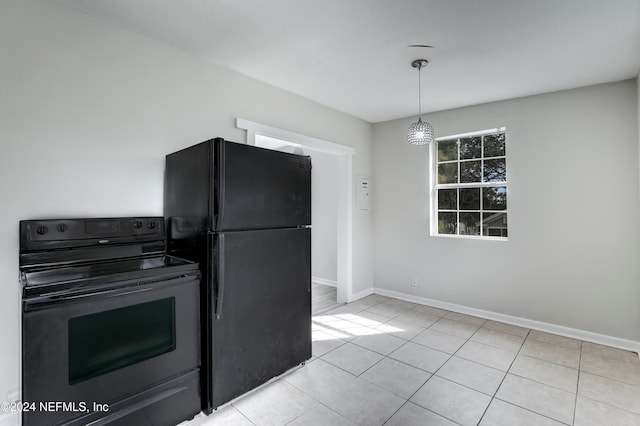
column 588, row 336
column 324, row 281
column 361, row 294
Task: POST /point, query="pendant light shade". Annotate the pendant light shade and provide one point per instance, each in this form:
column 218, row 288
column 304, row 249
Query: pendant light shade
column 420, row 132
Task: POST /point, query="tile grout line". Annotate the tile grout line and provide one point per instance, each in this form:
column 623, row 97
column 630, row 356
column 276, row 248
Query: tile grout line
column 536, row 381
column 408, row 400
column 438, row 369
column 316, row 401
column 239, row 412
column 475, row 362
column 493, row 397
column 451, row 356
column 387, row 356
column 575, row 401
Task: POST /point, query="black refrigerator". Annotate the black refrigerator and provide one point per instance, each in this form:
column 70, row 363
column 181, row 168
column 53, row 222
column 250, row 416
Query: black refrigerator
column 244, row 214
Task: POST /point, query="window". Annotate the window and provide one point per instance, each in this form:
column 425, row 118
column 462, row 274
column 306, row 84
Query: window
column 470, row 185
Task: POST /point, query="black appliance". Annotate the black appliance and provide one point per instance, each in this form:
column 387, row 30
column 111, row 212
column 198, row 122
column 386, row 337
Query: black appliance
column 244, row 213
column 110, row 324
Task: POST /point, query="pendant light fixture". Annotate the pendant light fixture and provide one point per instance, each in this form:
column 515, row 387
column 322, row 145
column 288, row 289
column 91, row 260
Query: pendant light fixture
column 420, row 132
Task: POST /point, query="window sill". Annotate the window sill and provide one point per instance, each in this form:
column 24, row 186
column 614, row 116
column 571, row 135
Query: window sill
column 471, row 237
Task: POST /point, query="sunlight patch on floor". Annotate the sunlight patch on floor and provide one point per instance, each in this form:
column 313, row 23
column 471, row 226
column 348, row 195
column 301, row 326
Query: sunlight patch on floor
column 343, row 326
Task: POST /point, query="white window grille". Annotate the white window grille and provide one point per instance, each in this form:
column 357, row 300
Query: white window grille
column 469, row 196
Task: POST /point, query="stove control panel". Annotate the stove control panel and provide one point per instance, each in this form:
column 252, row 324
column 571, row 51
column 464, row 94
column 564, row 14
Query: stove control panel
column 98, row 230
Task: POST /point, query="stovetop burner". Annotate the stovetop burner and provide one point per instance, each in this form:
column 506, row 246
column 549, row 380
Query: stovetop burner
column 73, row 255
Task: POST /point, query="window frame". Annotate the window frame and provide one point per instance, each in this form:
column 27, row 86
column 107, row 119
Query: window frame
column 435, row 186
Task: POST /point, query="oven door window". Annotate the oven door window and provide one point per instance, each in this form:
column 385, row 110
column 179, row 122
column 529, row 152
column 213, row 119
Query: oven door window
column 114, row 339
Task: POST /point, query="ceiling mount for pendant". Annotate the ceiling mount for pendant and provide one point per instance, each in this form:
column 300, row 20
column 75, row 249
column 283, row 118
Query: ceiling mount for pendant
column 419, row 63
column 420, row 132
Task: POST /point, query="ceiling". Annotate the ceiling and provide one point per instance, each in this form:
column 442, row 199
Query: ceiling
column 353, row 55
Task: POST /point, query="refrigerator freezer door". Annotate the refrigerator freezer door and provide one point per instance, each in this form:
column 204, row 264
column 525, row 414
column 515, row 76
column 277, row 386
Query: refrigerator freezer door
column 261, row 324
column 258, row 188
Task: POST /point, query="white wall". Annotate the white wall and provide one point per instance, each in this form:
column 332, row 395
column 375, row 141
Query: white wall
column 572, row 257
column 324, row 217
column 87, row 113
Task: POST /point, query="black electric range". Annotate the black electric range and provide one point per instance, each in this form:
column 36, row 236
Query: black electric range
column 110, row 324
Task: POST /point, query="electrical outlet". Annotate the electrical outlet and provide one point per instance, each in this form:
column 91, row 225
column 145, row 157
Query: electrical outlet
column 414, row 281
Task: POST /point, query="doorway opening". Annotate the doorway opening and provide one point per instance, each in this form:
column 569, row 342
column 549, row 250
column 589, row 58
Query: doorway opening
column 332, row 207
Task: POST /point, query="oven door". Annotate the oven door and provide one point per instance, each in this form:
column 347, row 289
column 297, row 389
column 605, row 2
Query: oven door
column 90, row 351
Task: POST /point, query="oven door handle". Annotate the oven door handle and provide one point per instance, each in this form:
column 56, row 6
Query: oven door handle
column 220, row 277
column 48, row 300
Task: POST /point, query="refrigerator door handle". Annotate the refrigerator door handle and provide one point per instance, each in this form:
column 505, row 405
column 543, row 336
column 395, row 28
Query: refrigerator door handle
column 220, row 286
column 220, row 166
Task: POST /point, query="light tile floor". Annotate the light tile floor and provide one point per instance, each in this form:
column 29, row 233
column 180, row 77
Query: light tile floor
column 385, row 361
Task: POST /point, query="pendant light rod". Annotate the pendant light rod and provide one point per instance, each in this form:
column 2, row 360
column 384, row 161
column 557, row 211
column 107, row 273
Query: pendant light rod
column 419, row 64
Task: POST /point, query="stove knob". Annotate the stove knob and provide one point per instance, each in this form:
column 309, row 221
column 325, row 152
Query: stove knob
column 62, row 227
column 42, row 229
column 151, row 225
column 137, row 224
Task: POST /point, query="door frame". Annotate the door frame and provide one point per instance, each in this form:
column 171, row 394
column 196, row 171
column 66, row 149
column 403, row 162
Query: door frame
column 344, row 156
